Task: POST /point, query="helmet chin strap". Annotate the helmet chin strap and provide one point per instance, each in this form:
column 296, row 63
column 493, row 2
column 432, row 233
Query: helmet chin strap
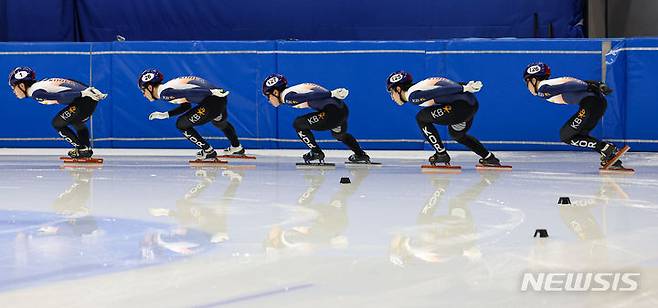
column 151, row 92
column 400, row 95
column 24, row 91
column 534, row 83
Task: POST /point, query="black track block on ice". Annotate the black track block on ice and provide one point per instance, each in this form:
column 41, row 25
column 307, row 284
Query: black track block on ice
column 541, row 232
column 564, row 200
column 345, row 180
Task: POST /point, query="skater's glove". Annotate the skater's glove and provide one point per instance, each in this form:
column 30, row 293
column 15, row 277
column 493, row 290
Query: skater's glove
column 605, row 89
column 340, row 93
column 158, row 115
column 473, row 86
column 93, row 93
column 219, row 92
column 598, row 87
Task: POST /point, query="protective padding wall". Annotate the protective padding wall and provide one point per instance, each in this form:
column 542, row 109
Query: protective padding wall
column 509, row 117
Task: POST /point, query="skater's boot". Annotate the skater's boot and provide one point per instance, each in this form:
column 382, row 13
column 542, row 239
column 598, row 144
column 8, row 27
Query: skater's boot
column 82, row 152
column 490, row 161
column 440, row 158
column 608, row 152
column 207, row 154
column 239, row 150
column 359, row 158
column 314, row 155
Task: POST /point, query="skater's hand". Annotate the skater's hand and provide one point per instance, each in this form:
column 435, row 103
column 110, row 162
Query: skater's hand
column 598, row 87
column 158, row 115
column 93, row 93
column 473, row 86
column 340, row 93
column 605, row 89
column 219, row 92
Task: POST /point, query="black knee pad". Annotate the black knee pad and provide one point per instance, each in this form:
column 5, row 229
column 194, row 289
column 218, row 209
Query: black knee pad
column 421, row 118
column 567, row 133
column 221, row 125
column 79, row 126
column 183, row 124
column 339, row 136
column 300, row 124
column 456, row 135
column 59, row 123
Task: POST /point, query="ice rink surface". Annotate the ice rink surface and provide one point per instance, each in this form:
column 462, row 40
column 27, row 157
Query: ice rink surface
column 151, row 231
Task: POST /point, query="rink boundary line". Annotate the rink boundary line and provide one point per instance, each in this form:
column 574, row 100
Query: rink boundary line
column 310, row 52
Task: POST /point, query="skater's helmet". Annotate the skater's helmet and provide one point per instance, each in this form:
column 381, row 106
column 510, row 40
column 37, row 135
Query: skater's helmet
column 399, row 78
column 538, row 70
column 150, row 76
column 274, row 82
column 22, row 74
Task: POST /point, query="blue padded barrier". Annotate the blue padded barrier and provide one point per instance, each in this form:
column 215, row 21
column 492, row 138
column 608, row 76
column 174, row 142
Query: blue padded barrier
column 509, row 117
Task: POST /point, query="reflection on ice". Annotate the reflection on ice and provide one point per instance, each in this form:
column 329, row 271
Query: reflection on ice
column 146, row 229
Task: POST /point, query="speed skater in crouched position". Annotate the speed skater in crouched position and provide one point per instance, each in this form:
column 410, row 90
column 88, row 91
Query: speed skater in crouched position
column 211, row 107
column 445, row 102
column 80, row 101
column 589, row 95
column 331, row 114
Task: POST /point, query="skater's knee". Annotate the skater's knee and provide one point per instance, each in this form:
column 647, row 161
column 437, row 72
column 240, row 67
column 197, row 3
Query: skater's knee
column 340, row 136
column 79, row 125
column 183, row 124
column 566, row 134
column 220, row 124
column 300, row 124
column 59, row 123
column 421, row 117
column 457, row 135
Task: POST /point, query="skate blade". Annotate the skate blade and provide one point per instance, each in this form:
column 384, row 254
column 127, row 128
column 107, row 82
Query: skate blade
column 236, row 156
column 616, row 171
column 81, row 161
column 495, row 168
column 440, row 169
column 225, row 166
column 315, row 166
column 617, row 156
column 351, row 164
column 212, row 162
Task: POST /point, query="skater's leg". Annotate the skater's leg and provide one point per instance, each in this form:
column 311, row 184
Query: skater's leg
column 459, row 133
column 75, row 112
column 340, row 133
column 426, row 119
column 194, row 117
column 220, row 121
column 576, row 130
column 83, row 133
column 319, row 120
column 87, row 108
column 229, row 131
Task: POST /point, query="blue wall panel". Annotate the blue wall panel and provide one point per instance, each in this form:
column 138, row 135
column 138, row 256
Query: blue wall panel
column 508, row 112
column 642, row 108
column 363, row 70
column 26, row 119
column 234, row 66
column 509, row 117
